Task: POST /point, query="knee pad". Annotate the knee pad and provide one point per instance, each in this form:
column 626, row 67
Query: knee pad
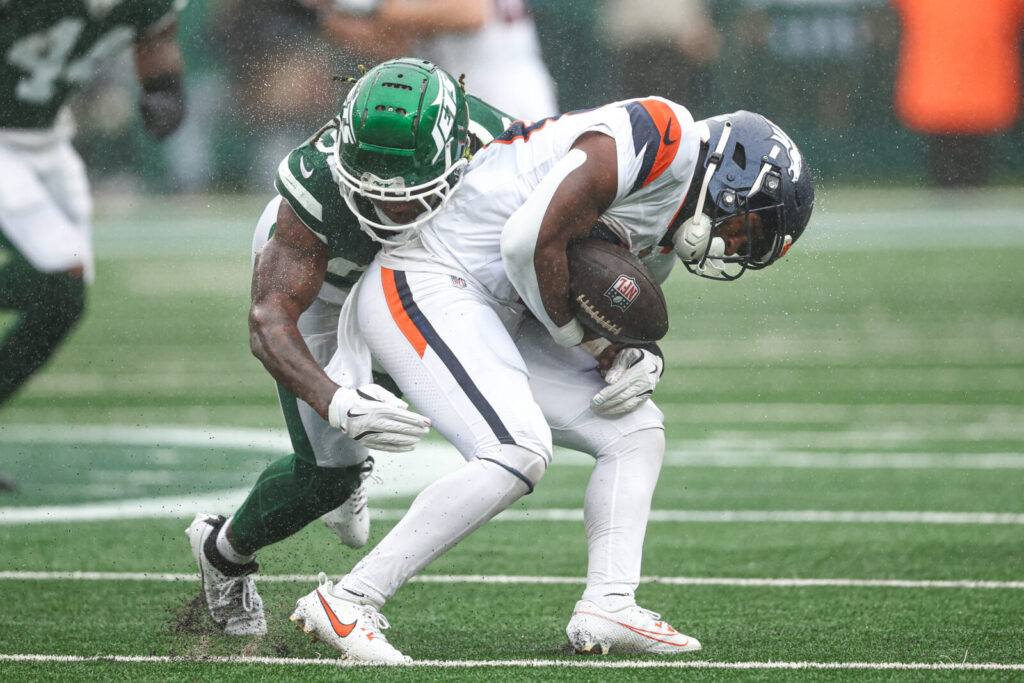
column 640, row 453
column 522, row 463
column 645, row 445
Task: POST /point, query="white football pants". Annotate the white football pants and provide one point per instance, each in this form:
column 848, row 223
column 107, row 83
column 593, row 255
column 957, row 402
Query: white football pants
column 492, row 387
column 45, row 207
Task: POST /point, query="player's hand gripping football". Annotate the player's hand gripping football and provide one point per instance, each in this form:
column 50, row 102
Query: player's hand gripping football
column 631, row 379
column 376, row 418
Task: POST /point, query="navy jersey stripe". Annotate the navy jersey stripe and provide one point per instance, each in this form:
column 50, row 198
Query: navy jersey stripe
column 450, row 360
column 645, row 132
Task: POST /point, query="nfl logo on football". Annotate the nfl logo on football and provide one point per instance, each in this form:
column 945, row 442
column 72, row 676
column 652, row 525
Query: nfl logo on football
column 623, row 292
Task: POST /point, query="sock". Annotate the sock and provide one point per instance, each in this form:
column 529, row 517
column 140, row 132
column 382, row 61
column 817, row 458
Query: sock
column 442, row 515
column 225, row 548
column 288, row 495
column 616, row 508
column 221, row 563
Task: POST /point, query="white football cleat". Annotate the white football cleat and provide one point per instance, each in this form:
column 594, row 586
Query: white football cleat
column 230, row 592
column 354, row 630
column 633, row 630
column 351, row 520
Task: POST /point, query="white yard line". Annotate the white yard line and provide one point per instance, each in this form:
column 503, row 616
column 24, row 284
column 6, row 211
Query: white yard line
column 405, row 476
column 434, row 458
column 187, row 506
column 540, row 580
column 588, row 663
column 214, row 438
column 733, row 457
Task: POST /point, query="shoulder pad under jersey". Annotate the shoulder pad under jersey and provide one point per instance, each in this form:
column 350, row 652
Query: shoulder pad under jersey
column 305, row 178
column 486, row 122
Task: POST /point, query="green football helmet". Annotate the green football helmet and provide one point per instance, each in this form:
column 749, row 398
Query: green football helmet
column 402, row 144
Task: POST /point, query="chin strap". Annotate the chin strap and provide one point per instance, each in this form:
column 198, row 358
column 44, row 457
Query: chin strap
column 694, row 235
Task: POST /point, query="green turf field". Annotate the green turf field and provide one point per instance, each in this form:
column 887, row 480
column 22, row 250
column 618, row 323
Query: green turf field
column 843, row 496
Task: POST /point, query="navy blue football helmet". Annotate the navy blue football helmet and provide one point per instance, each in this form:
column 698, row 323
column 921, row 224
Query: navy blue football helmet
column 754, row 171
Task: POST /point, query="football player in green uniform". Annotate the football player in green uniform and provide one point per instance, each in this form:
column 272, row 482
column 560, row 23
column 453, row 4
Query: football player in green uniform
column 409, row 129
column 50, row 48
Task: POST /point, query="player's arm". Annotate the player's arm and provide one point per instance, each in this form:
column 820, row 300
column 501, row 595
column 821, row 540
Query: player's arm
column 565, row 205
column 159, row 66
column 287, row 275
column 391, row 27
column 367, row 37
column 425, row 17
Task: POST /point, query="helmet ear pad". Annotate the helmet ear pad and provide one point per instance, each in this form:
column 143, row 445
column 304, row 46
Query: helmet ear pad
column 691, row 239
column 698, row 250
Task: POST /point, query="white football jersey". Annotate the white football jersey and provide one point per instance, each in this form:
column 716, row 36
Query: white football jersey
column 657, row 144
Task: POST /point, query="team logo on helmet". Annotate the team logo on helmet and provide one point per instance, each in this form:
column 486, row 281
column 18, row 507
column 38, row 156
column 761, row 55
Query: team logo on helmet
column 623, row 292
column 796, row 162
column 445, row 120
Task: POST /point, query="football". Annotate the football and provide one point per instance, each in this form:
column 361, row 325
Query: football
column 614, row 293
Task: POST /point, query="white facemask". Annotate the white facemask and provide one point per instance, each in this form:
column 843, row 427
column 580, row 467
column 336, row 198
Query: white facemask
column 713, row 267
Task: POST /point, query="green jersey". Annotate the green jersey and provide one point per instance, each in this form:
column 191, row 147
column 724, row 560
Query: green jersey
column 50, row 47
column 306, row 179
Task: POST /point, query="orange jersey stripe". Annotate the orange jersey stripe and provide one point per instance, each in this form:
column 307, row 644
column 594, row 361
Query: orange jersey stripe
column 666, row 122
column 399, row 314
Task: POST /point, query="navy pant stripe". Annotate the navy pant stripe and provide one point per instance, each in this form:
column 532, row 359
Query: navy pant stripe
column 449, row 359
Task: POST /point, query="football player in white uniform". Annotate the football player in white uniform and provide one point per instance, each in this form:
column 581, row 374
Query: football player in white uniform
column 51, row 48
column 309, row 249
column 493, row 42
column 444, row 314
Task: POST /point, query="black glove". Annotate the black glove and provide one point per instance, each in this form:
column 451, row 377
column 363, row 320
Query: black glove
column 162, row 104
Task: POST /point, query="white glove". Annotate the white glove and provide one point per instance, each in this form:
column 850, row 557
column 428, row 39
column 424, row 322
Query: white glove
column 376, row 418
column 631, row 380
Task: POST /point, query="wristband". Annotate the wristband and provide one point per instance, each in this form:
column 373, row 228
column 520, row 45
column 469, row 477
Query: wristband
column 340, row 402
column 569, row 334
column 162, row 104
column 595, row 346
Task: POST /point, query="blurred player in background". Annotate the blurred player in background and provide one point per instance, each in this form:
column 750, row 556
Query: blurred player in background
column 445, row 314
column 493, row 42
column 984, row 72
column 662, row 46
column 50, row 48
column 311, row 245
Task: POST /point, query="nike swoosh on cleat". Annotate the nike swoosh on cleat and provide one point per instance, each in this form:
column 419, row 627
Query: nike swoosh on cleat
column 667, row 140
column 651, row 635
column 308, row 172
column 339, row 628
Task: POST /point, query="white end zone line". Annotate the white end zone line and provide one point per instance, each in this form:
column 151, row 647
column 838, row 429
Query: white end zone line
column 527, row 663
column 539, row 580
